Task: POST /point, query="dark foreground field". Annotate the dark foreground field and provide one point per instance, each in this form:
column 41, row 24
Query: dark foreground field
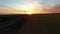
column 33, row 24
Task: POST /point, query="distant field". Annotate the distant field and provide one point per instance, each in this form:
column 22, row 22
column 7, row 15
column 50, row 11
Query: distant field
column 47, row 23
column 42, row 24
column 37, row 23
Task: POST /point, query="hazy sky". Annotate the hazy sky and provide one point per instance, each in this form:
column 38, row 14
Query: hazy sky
column 19, row 4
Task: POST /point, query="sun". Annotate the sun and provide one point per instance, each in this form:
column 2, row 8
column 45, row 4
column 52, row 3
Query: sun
column 29, row 12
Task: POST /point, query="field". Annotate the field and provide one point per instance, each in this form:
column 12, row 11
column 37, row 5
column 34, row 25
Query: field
column 30, row 24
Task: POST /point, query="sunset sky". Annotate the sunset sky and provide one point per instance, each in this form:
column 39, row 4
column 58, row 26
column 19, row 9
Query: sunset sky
column 28, row 4
column 16, row 4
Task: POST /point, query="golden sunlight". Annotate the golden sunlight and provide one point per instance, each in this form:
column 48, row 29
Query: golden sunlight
column 31, row 8
column 36, row 8
column 30, row 12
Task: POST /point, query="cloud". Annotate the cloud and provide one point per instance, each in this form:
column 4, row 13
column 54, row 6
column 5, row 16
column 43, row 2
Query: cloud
column 56, row 2
column 39, row 5
column 56, row 9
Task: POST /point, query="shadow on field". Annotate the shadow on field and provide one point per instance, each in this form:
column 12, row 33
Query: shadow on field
column 11, row 24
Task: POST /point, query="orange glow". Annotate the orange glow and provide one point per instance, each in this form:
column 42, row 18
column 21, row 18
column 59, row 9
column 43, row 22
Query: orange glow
column 30, row 12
